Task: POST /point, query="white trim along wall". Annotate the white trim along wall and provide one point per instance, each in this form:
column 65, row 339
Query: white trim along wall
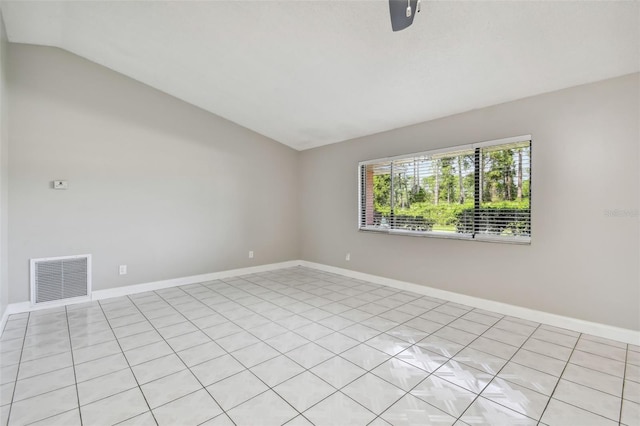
column 588, row 327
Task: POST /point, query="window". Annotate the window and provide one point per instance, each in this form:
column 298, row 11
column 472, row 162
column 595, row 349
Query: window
column 480, row 191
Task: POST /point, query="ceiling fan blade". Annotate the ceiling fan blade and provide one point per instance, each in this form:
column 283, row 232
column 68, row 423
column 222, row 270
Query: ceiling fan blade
column 398, row 12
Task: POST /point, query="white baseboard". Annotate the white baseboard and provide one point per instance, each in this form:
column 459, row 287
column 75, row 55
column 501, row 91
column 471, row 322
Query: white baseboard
column 194, row 279
column 17, row 308
column 582, row 326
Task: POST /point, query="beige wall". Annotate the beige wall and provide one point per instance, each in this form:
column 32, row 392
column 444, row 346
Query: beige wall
column 581, row 262
column 154, row 183
column 4, row 171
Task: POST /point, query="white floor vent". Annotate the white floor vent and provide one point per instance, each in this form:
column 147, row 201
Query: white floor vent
column 60, row 278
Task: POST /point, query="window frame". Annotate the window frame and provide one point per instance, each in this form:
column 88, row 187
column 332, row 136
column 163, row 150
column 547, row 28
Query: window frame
column 518, row 239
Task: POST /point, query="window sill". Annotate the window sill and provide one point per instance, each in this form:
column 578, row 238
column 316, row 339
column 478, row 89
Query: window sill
column 451, row 236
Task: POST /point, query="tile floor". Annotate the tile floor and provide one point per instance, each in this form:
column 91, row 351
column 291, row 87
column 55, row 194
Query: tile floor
column 299, row 347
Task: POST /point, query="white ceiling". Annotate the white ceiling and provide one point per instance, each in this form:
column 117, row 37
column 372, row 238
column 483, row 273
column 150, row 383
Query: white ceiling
column 310, row 73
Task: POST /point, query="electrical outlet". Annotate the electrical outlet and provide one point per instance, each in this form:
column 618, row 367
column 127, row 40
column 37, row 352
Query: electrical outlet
column 348, row 257
column 251, row 254
column 123, row 269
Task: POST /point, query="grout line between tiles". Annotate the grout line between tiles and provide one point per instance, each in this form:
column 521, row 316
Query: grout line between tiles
column 131, row 369
column 560, row 378
column 496, row 375
column 624, row 376
column 75, row 378
column 15, row 383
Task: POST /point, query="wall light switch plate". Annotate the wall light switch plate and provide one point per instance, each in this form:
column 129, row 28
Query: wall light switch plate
column 60, row 184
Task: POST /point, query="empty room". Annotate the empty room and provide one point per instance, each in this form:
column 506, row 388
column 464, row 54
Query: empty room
column 329, row 212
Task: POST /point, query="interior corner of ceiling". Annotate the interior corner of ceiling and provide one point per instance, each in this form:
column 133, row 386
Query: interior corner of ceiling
column 33, row 22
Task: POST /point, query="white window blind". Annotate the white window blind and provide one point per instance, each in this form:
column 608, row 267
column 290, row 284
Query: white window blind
column 480, row 191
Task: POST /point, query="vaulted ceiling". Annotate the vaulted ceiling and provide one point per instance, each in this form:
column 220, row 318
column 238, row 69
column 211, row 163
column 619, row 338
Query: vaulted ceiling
column 309, row 73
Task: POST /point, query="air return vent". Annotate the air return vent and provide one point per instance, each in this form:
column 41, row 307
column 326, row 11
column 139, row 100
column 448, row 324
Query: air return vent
column 60, row 278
